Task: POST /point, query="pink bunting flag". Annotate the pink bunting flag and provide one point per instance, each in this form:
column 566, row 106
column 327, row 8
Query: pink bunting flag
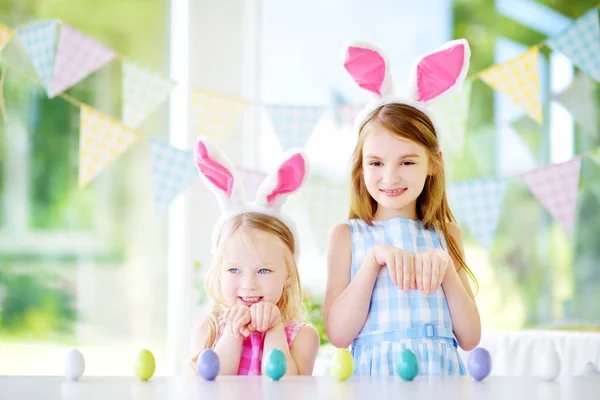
column 556, row 187
column 77, row 57
column 251, row 180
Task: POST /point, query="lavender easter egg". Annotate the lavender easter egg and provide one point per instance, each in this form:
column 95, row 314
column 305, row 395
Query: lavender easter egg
column 208, row 364
column 480, row 364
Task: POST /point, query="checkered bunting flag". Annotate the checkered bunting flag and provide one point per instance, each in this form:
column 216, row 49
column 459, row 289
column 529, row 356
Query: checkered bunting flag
column 101, row 141
column 580, row 99
column 478, row 204
column 519, row 79
column 143, row 92
column 328, row 204
column 453, row 114
column 77, row 57
column 293, row 125
column 580, row 42
column 251, row 179
column 5, row 36
column 39, row 40
column 556, row 186
column 216, row 114
column 173, row 170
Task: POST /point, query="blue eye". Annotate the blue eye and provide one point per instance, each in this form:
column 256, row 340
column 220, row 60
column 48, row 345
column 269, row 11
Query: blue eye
column 233, row 270
column 264, row 271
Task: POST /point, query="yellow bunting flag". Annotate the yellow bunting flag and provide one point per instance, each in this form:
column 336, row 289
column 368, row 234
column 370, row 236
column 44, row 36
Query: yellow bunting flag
column 519, row 79
column 101, row 140
column 216, row 114
column 5, row 35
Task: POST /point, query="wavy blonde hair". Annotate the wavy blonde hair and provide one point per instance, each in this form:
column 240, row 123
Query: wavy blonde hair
column 290, row 304
column 432, row 205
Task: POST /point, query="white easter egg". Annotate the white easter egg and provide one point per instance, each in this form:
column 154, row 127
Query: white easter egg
column 74, row 365
column 589, row 369
column 549, row 367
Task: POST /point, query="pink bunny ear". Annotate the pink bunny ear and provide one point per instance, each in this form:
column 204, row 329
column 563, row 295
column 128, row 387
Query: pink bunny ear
column 368, row 67
column 214, row 171
column 290, row 176
column 442, row 70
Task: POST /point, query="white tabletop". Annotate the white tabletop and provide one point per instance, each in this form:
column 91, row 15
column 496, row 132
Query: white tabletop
column 313, row 388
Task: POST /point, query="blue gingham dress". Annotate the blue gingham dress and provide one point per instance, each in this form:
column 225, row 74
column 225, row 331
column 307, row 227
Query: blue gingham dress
column 398, row 319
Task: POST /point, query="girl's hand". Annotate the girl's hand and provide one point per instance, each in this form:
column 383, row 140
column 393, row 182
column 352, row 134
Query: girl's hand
column 237, row 320
column 430, row 269
column 264, row 316
column 400, row 265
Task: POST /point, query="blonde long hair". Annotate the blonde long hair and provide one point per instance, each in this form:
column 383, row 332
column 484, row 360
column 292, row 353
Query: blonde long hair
column 290, row 303
column 432, row 205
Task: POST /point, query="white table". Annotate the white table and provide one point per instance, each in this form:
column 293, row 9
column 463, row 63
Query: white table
column 312, row 388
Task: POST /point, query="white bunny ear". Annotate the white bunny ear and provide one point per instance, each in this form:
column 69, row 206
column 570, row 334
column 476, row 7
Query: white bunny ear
column 219, row 175
column 440, row 72
column 367, row 65
column 289, row 177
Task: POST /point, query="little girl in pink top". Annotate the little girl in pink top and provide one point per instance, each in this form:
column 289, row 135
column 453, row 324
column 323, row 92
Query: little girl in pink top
column 254, row 282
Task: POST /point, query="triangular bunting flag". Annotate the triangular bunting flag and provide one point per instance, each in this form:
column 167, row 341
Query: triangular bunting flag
column 143, row 91
column 581, row 43
column 328, row 204
column 215, row 113
column 519, row 79
column 251, row 180
column 39, row 40
column 293, row 125
column 555, row 186
column 580, row 99
column 346, row 114
column 478, row 204
column 173, row 170
column 453, row 114
column 101, row 141
column 5, row 35
column 77, row 56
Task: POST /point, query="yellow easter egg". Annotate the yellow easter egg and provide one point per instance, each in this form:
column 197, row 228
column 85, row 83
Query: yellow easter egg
column 144, row 365
column 342, row 365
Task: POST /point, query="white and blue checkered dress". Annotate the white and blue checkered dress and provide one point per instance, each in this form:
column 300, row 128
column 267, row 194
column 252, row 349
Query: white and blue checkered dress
column 398, row 319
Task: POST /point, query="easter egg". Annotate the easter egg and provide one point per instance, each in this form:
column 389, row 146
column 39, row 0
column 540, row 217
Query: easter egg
column 342, row 365
column 407, row 366
column 208, row 364
column 74, row 365
column 144, row 365
column 480, row 364
column 589, row 369
column 549, row 365
column 275, row 364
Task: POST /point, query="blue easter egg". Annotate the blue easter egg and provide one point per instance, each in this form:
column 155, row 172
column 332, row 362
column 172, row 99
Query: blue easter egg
column 275, row 364
column 208, row 364
column 480, row 364
column 407, row 366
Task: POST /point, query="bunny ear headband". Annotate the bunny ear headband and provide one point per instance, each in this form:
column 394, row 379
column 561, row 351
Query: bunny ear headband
column 436, row 74
column 221, row 177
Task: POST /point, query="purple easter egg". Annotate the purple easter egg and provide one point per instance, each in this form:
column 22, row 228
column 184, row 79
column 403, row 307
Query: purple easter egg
column 208, row 364
column 480, row 364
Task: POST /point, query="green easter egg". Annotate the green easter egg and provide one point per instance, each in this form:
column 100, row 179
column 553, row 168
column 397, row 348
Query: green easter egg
column 342, row 365
column 144, row 365
column 275, row 365
column 407, row 367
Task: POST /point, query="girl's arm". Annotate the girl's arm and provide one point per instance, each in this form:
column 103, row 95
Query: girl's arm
column 346, row 303
column 303, row 352
column 228, row 348
column 463, row 309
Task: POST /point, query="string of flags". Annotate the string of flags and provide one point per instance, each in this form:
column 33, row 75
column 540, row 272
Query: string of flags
column 60, row 56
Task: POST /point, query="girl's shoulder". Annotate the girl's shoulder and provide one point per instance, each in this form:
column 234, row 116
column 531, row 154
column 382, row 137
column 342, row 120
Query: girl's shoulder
column 291, row 329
